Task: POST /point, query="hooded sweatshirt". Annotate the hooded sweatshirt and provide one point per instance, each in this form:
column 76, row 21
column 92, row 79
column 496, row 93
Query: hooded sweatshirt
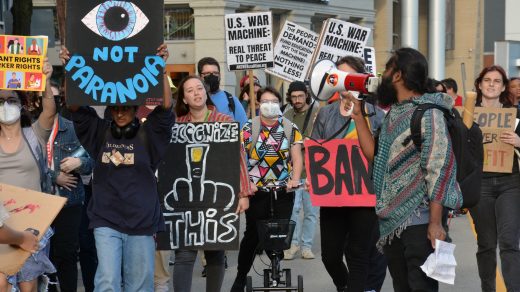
column 406, row 180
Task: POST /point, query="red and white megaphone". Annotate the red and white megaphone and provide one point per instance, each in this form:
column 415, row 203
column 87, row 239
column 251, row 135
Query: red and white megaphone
column 326, row 80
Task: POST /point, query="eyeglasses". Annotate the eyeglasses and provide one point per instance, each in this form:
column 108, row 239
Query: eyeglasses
column 214, row 73
column 492, row 81
column 269, row 101
column 296, row 97
column 10, row 100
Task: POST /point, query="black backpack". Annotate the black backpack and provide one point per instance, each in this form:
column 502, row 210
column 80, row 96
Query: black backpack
column 467, row 147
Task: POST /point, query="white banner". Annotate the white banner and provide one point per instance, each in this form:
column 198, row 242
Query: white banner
column 340, row 38
column 249, row 40
column 293, row 52
column 369, row 55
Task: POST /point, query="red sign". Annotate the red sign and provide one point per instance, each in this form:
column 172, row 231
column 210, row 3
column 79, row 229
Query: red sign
column 339, row 174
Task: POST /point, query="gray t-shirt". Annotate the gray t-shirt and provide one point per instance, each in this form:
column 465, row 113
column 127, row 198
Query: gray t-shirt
column 21, row 168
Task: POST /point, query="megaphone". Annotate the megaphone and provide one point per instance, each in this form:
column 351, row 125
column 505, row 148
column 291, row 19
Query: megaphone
column 326, row 80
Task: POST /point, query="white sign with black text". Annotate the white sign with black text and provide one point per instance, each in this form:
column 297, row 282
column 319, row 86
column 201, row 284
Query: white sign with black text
column 340, row 38
column 249, row 40
column 369, row 55
column 293, row 52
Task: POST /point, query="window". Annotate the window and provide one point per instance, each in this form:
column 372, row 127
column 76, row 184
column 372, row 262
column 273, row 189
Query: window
column 178, row 23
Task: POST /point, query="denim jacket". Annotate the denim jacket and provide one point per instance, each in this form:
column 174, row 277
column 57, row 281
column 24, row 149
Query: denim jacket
column 65, row 143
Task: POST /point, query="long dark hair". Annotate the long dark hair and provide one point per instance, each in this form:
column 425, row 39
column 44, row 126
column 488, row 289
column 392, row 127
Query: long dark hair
column 182, row 109
column 504, row 96
column 413, row 67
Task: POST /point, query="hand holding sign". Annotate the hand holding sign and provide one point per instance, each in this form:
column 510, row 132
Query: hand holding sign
column 510, row 138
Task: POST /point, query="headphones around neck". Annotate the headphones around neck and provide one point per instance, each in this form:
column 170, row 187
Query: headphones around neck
column 129, row 131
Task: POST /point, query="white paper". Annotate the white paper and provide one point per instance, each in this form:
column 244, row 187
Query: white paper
column 440, row 265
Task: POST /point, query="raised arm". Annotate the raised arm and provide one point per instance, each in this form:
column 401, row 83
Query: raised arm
column 49, row 107
column 162, row 51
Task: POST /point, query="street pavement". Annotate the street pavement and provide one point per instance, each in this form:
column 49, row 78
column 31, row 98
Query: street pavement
column 316, row 279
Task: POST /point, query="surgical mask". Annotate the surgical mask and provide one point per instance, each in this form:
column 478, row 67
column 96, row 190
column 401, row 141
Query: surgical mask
column 9, row 113
column 213, row 82
column 270, row 110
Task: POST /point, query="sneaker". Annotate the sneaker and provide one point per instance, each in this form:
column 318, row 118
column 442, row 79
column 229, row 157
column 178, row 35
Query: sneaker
column 204, row 272
column 289, row 254
column 307, row 254
column 161, row 287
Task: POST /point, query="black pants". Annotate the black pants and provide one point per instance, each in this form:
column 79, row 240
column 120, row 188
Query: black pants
column 347, row 231
column 405, row 255
column 87, row 246
column 64, row 247
column 259, row 209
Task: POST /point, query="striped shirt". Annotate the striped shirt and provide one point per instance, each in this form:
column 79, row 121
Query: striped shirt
column 214, row 116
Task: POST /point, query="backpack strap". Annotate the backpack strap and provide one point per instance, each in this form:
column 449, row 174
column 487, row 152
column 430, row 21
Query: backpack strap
column 255, row 131
column 415, row 122
column 231, row 102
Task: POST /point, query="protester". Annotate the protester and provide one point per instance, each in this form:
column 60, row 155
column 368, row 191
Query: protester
column 124, row 209
column 497, row 214
column 244, row 94
column 412, row 185
column 302, row 113
column 451, row 90
column 23, row 164
column 281, row 160
column 514, row 90
column 194, row 105
column 439, row 86
column 225, row 102
column 66, row 160
column 350, row 238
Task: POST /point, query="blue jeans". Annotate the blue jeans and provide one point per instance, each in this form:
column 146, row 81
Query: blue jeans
column 305, row 230
column 120, row 254
column 497, row 222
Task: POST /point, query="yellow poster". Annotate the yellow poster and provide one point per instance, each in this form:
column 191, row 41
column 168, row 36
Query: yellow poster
column 21, row 62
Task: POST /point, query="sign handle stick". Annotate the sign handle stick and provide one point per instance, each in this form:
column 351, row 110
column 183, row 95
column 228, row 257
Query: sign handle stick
column 463, row 73
column 252, row 97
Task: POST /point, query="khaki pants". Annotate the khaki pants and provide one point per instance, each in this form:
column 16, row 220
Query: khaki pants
column 162, row 269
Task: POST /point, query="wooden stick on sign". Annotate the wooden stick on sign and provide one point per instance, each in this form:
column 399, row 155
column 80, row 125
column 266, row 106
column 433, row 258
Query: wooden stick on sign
column 252, row 97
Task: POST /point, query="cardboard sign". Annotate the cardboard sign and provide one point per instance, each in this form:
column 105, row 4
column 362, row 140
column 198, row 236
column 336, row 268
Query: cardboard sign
column 498, row 156
column 198, row 197
column 249, row 40
column 113, row 46
column 340, row 38
column 339, row 174
column 21, row 62
column 293, row 52
column 369, row 55
column 27, row 209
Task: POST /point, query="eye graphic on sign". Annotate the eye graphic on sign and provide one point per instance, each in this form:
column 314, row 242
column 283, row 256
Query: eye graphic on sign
column 116, row 20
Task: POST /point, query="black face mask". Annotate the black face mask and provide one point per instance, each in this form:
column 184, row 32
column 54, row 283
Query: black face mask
column 386, row 94
column 213, row 82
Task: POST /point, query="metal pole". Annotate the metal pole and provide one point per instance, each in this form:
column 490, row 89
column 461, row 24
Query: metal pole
column 410, row 23
column 437, row 38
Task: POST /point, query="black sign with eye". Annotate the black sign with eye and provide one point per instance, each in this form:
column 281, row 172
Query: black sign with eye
column 113, row 47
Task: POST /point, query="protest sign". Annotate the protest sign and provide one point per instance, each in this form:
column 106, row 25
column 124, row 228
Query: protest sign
column 249, row 40
column 198, row 198
column 340, row 38
column 27, row 209
column 339, row 174
column 21, row 62
column 498, row 156
column 369, row 55
column 113, row 46
column 293, row 52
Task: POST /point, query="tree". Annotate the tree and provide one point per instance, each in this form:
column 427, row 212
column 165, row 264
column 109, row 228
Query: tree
column 61, row 10
column 22, row 13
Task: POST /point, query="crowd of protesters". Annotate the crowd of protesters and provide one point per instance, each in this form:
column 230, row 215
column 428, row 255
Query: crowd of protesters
column 105, row 165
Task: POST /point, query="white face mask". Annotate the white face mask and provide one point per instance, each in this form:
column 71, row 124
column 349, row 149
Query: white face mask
column 270, row 110
column 9, row 113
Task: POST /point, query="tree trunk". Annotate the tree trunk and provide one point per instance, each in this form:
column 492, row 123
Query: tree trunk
column 61, row 9
column 22, row 13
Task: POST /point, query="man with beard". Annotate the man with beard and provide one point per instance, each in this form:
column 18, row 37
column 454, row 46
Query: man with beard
column 412, row 185
column 302, row 113
column 225, row 102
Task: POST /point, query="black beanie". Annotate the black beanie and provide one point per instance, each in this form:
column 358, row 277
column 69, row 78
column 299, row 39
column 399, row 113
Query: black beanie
column 297, row 86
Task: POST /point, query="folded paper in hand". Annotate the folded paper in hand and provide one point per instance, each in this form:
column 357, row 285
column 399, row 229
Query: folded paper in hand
column 440, row 265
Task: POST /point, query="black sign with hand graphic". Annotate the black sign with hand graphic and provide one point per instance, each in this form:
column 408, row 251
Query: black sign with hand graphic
column 199, row 187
